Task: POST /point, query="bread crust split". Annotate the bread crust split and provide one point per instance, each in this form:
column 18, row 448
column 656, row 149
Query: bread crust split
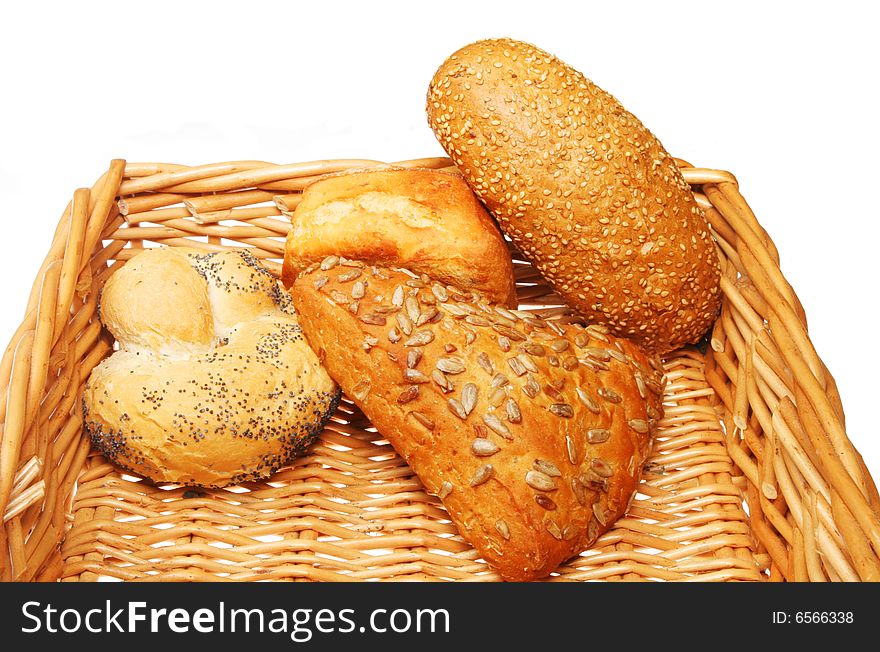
column 584, row 190
column 213, row 383
column 532, row 433
column 426, row 220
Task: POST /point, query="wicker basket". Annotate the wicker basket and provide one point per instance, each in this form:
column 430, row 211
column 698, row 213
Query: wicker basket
column 752, row 476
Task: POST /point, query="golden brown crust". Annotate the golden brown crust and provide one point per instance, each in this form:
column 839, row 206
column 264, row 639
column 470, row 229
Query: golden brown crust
column 425, row 220
column 233, row 398
column 563, row 414
column 587, row 193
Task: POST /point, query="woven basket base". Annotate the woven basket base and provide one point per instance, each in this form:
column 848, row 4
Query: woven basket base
column 353, row 510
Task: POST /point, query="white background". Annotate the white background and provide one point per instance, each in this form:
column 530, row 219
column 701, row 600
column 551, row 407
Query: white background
column 784, row 95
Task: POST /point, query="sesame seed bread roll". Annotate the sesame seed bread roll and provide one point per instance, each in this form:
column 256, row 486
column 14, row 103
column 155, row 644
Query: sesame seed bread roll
column 532, row 433
column 426, row 220
column 213, row 383
column 585, row 191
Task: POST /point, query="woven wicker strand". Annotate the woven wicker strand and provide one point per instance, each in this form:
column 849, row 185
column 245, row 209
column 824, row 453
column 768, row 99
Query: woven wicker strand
column 752, row 476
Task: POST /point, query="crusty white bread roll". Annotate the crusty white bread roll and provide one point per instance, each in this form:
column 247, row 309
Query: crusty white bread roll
column 213, row 383
column 532, row 433
column 426, row 220
column 586, row 192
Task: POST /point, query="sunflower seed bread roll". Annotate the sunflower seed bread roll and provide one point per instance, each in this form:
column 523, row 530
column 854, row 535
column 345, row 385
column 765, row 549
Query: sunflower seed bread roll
column 585, row 191
column 532, row 433
column 425, row 220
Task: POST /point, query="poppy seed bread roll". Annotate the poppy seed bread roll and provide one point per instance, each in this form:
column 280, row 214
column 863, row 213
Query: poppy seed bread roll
column 585, row 191
column 213, row 383
column 531, row 432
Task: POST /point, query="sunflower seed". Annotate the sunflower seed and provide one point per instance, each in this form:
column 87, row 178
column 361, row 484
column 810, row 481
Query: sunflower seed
column 512, row 411
column 540, row 481
column 617, row 355
column 502, row 528
column 640, row 385
column 329, row 262
column 455, row 310
column 361, row 390
column 420, row 338
column 393, row 335
column 531, row 388
column 497, row 396
column 354, row 306
column 482, row 474
column 456, row 408
column 441, row 381
column 504, row 312
column 503, row 343
column 498, row 380
column 527, row 362
column 321, row 281
column 571, row 449
column 598, row 435
column 570, row 363
column 587, row 400
column 414, row 376
column 599, row 513
column 480, row 431
column 547, row 467
column 508, row 332
column 639, row 425
column 654, row 413
column 411, row 305
column 608, row 394
column 427, row 298
column 601, row 467
column 413, row 357
column 598, row 354
column 415, row 283
column 579, row 492
column 409, row 394
column 598, row 331
column 533, row 349
column 397, row 296
column 517, row 366
column 405, row 323
column 426, row 421
column 554, row 530
column 592, row 531
column 484, row 447
column 427, row 316
column 451, row 365
column 373, row 318
column 440, row 292
column 581, row 340
column 545, row 502
column 655, row 387
column 369, row 342
column 496, row 426
column 383, row 309
column 595, row 365
column 552, row 392
column 563, row 410
column 469, row 397
column 552, row 360
column 474, row 320
column 338, row 296
column 349, row 275
column 569, row 532
column 445, row 490
column 556, row 327
column 450, row 348
column 469, row 337
column 559, row 345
